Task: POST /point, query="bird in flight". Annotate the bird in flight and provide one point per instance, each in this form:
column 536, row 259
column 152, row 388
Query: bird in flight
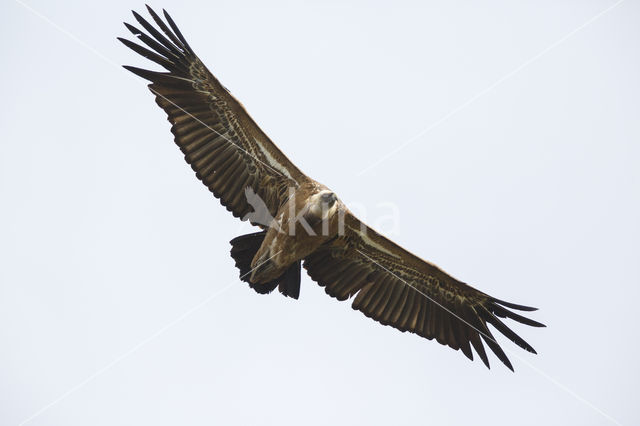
column 302, row 222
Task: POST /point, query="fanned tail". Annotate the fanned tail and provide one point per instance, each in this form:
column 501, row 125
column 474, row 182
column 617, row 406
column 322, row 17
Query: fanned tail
column 244, row 249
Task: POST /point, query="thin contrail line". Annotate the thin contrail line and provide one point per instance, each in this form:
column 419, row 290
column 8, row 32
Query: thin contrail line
column 138, row 346
column 108, row 60
column 515, row 355
column 219, row 292
column 125, row 355
column 487, row 90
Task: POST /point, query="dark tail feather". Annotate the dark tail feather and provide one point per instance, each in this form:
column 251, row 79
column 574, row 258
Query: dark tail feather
column 243, row 250
column 290, row 281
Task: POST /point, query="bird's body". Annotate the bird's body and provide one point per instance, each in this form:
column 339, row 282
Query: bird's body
column 301, row 225
column 304, row 223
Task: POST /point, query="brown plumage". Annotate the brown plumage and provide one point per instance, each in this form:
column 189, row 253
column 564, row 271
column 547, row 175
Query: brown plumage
column 301, row 220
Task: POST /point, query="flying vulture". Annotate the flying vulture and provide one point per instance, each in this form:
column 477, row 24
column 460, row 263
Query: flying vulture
column 302, row 222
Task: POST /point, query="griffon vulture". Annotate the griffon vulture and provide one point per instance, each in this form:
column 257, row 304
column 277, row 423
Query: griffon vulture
column 302, row 221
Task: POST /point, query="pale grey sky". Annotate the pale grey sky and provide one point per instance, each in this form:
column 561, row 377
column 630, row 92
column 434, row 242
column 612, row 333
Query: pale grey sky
column 111, row 250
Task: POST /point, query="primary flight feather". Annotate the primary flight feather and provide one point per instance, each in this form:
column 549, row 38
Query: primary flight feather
column 302, row 221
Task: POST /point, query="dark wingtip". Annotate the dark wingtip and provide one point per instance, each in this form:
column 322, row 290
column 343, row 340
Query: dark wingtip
column 137, row 15
column 146, row 74
column 136, row 71
column 132, row 29
column 131, row 45
column 177, row 32
column 514, row 306
column 495, row 347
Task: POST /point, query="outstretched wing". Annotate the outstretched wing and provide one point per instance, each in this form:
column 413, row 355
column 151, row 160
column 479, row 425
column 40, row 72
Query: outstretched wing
column 223, row 145
column 399, row 289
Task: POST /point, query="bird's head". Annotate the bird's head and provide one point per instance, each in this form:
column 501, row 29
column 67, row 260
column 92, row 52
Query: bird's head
column 323, row 204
